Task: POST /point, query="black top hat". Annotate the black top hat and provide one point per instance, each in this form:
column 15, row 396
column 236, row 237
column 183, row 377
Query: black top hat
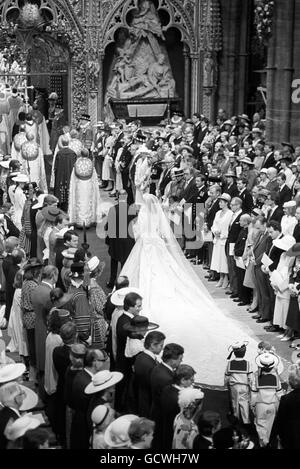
column 139, row 323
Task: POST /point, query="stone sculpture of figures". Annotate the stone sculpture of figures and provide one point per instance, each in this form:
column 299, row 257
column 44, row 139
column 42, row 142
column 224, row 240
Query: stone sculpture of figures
column 145, row 21
column 93, row 69
column 159, row 77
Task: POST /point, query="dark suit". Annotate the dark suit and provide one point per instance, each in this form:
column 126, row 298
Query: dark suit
column 164, row 181
column 119, row 239
column 80, row 401
column 11, row 227
column 10, row 273
column 143, row 367
column 272, row 186
column 6, row 414
column 233, row 233
column 285, row 194
column 276, row 215
column 41, row 305
column 287, row 422
column 269, row 161
column 247, row 200
column 262, row 245
column 169, row 408
column 123, row 364
column 209, row 219
column 296, row 233
column 243, row 292
column 201, row 443
column 202, row 134
column 232, row 190
column 61, row 361
column 161, row 377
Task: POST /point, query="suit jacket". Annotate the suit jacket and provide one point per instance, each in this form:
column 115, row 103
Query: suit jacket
column 296, row 233
column 169, row 408
column 276, row 215
column 80, row 402
column 11, row 227
column 233, row 232
column 247, row 200
column 274, row 254
column 143, row 366
column 190, row 191
column 241, row 242
column 119, row 241
column 6, row 265
column 161, row 376
column 123, row 363
column 201, row 135
column 211, row 213
column 11, row 271
column 61, row 361
column 165, row 178
column 262, row 245
column 117, row 145
column 41, row 305
column 285, row 194
column 201, row 443
column 6, row 414
column 287, row 422
column 269, row 161
column 232, row 190
column 197, row 130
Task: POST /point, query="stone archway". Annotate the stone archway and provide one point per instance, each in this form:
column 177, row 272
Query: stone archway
column 182, row 16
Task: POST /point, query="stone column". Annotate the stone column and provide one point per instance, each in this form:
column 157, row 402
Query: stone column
column 187, row 80
column 195, row 82
column 100, row 104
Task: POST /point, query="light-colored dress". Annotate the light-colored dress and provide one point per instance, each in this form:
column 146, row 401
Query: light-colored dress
column 221, row 223
column 51, row 376
column 279, row 278
column 288, row 223
column 16, row 331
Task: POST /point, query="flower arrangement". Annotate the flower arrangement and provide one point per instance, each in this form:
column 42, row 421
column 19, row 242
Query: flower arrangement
column 30, row 15
column 263, row 18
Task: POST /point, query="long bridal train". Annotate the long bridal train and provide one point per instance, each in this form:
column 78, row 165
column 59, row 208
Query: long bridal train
column 175, row 298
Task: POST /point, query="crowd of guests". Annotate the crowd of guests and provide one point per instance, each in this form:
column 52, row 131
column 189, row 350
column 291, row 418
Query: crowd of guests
column 103, row 374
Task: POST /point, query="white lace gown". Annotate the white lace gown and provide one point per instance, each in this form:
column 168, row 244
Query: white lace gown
column 175, row 298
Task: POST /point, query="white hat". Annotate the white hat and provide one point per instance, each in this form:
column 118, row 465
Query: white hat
column 40, row 201
column 264, row 170
column 5, row 164
column 285, row 243
column 20, row 426
column 117, row 298
column 30, row 400
column 257, row 130
column 99, row 414
column 94, row 262
column 11, row 372
column 21, row 178
column 103, row 380
column 225, row 197
column 116, row 434
column 268, row 360
column 63, row 231
column 290, row 204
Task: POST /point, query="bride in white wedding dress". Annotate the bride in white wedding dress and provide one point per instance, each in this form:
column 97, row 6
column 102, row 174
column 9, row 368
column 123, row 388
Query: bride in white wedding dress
column 175, row 298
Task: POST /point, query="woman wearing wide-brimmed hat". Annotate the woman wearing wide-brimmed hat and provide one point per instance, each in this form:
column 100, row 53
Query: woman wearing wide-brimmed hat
column 19, row 198
column 293, row 315
column 220, row 231
column 50, row 213
column 28, row 234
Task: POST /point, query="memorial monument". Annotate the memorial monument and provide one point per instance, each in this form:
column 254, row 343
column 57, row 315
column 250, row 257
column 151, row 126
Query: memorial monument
column 141, row 68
